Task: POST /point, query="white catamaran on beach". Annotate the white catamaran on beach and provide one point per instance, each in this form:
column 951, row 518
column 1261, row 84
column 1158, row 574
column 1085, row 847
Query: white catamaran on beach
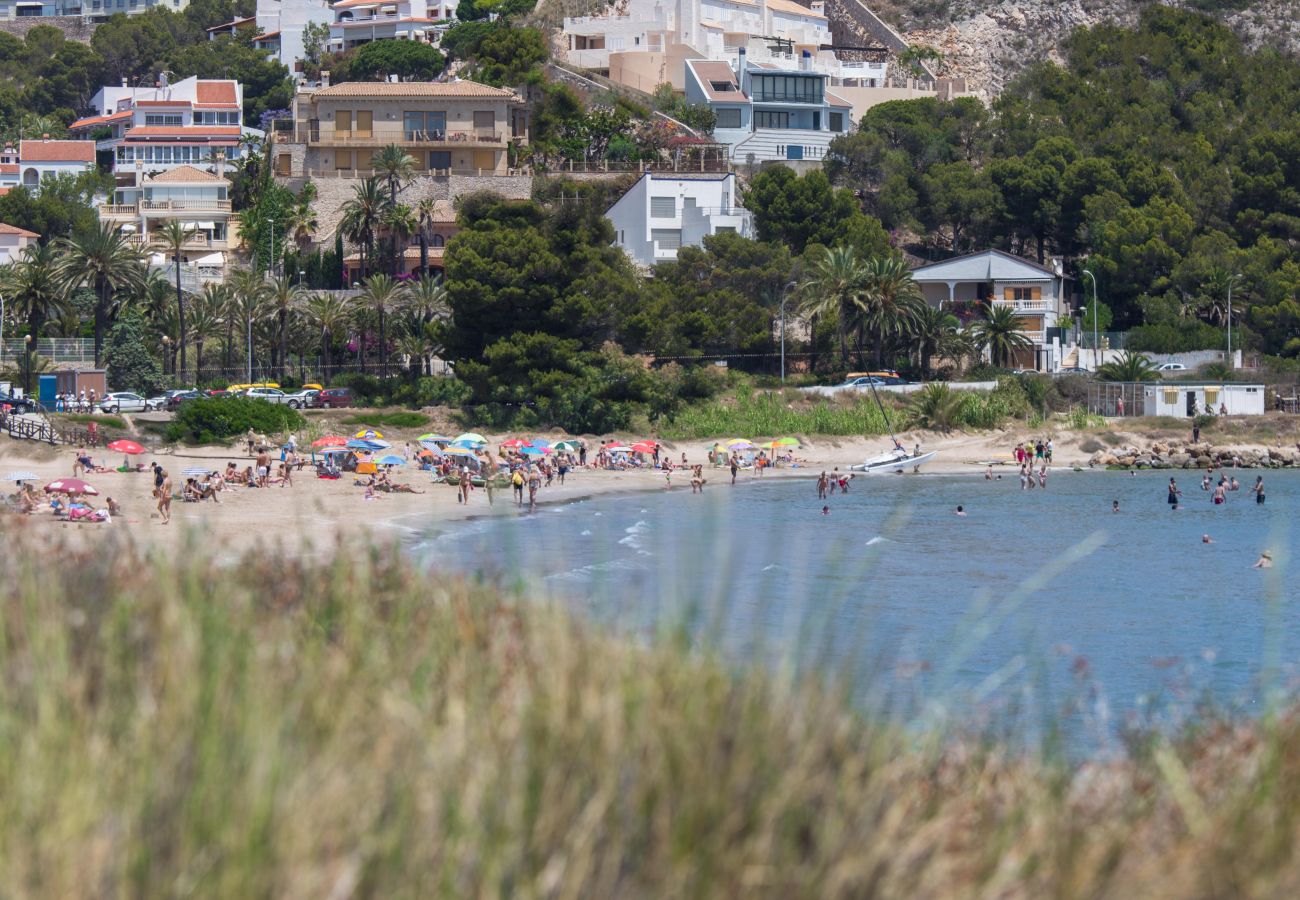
column 896, row 460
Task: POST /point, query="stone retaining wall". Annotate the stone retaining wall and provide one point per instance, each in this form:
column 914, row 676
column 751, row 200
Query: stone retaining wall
column 1187, row 455
column 74, row 28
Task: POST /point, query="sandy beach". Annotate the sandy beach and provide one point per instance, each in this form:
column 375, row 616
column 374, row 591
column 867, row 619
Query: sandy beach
column 317, row 513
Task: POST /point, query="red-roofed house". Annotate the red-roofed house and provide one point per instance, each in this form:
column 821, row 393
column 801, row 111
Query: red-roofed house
column 150, row 130
column 12, row 242
column 31, row 161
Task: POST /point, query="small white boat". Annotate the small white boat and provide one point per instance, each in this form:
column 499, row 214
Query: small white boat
column 894, row 461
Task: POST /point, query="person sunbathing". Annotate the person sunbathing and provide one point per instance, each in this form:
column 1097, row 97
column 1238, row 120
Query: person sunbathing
column 403, row 488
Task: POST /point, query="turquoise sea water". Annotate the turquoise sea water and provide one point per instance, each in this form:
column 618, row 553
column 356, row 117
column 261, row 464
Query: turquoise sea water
column 1041, row 604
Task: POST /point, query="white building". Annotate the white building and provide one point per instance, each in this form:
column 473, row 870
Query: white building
column 97, row 10
column 1176, row 398
column 31, row 161
column 13, row 240
column 149, row 130
column 646, row 45
column 358, row 22
column 1036, row 293
column 661, row 213
column 280, row 25
column 768, row 114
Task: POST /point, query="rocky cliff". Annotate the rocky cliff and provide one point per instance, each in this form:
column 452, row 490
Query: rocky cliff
column 989, row 43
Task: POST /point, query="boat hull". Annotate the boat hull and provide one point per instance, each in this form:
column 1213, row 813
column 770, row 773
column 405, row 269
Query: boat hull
column 893, row 464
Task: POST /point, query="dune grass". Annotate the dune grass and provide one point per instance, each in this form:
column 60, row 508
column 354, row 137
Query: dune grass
column 382, row 419
column 775, row 414
column 361, row 728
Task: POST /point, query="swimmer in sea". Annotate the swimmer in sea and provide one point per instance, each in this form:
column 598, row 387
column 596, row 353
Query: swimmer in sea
column 1265, row 561
column 826, row 510
column 960, row 511
column 1114, row 506
column 1206, row 539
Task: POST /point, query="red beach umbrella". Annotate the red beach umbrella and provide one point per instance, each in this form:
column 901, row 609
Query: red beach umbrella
column 330, row 440
column 645, row 447
column 515, row 443
column 71, row 486
column 124, row 446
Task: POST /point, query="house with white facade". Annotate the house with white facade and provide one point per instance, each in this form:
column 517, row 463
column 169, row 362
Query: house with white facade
column 664, row 212
column 96, row 10
column 1035, row 292
column 32, row 161
column 150, row 130
column 768, row 114
column 13, row 240
column 199, row 200
column 646, row 43
column 358, row 22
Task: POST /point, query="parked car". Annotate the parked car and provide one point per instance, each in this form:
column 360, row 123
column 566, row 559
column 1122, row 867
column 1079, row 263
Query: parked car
column 304, row 399
column 20, row 404
column 163, row 400
column 270, row 395
column 861, row 381
column 1073, row 370
column 334, row 398
column 1171, row 367
column 123, row 401
column 176, row 398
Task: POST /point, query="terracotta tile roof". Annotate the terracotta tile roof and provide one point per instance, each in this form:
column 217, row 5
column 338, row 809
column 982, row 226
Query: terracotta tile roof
column 14, row 229
column 366, row 23
column 91, row 121
column 415, row 89
column 5, row 190
column 709, row 71
column 353, row 4
column 57, row 151
column 9, row 168
column 237, row 23
column 267, row 36
column 185, row 175
column 193, row 132
column 835, row 99
column 215, row 92
column 790, row 6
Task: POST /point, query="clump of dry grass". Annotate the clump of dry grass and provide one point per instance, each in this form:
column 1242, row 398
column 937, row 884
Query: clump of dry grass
column 363, row 728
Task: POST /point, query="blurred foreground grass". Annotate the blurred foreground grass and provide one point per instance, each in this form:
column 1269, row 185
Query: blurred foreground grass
column 360, row 729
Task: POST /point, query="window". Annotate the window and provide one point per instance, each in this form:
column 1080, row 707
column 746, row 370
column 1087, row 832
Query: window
column 439, row 159
column 282, row 163
column 1019, row 294
column 722, row 86
column 728, row 118
column 485, row 160
column 725, row 229
column 767, row 119
column 666, row 238
column 663, row 207
column 485, row 123
column 786, row 88
column 162, row 119
column 343, row 122
column 837, row 121
column 343, row 159
column 438, row 241
column 365, row 118
column 216, row 118
column 424, row 126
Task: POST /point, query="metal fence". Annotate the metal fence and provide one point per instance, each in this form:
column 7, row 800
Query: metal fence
column 57, row 350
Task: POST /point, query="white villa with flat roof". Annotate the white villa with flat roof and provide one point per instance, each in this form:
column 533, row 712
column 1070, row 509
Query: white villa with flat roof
column 662, row 213
column 1035, row 292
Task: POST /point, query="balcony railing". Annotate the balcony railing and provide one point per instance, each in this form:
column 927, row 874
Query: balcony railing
column 185, row 205
column 117, row 209
column 1027, row 305
column 198, row 242
column 326, row 172
column 379, row 137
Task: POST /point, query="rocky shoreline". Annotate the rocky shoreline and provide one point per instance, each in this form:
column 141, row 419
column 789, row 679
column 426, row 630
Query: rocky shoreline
column 1189, row 455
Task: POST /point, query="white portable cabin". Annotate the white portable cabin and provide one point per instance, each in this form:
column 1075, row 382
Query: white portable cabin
column 1177, row 399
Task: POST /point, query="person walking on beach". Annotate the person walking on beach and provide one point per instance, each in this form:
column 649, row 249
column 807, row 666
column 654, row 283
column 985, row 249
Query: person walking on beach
column 735, row 468
column 164, row 494
column 1196, row 433
column 1258, row 490
column 1174, row 494
column 534, row 483
column 517, row 483
column 1049, row 451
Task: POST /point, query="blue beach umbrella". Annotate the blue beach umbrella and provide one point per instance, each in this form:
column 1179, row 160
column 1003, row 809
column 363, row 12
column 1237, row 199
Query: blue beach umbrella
column 391, row 459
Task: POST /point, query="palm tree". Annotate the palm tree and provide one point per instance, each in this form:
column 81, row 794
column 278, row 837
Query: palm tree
column 283, row 297
column 361, row 217
column 399, row 223
column 33, row 287
column 425, row 211
column 890, row 300
column 397, row 168
column 174, row 235
column 427, row 297
column 1129, row 367
column 248, row 304
column 330, row 313
column 104, row 260
column 207, row 314
column 383, row 294
column 934, row 332
column 832, row 287
column 302, row 220
column 999, row 332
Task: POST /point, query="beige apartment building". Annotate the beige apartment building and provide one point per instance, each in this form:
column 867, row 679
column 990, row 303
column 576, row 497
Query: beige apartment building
column 453, row 128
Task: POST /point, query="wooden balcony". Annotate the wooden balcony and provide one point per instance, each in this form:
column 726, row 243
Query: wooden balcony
column 382, row 137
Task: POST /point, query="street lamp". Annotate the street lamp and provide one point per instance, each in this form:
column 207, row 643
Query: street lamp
column 785, row 295
column 167, row 352
column 2, row 329
column 27, row 376
column 1230, row 281
column 1096, row 314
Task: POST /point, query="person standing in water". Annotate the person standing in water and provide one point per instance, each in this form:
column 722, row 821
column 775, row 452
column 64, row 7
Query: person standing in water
column 1174, row 494
column 1258, row 490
